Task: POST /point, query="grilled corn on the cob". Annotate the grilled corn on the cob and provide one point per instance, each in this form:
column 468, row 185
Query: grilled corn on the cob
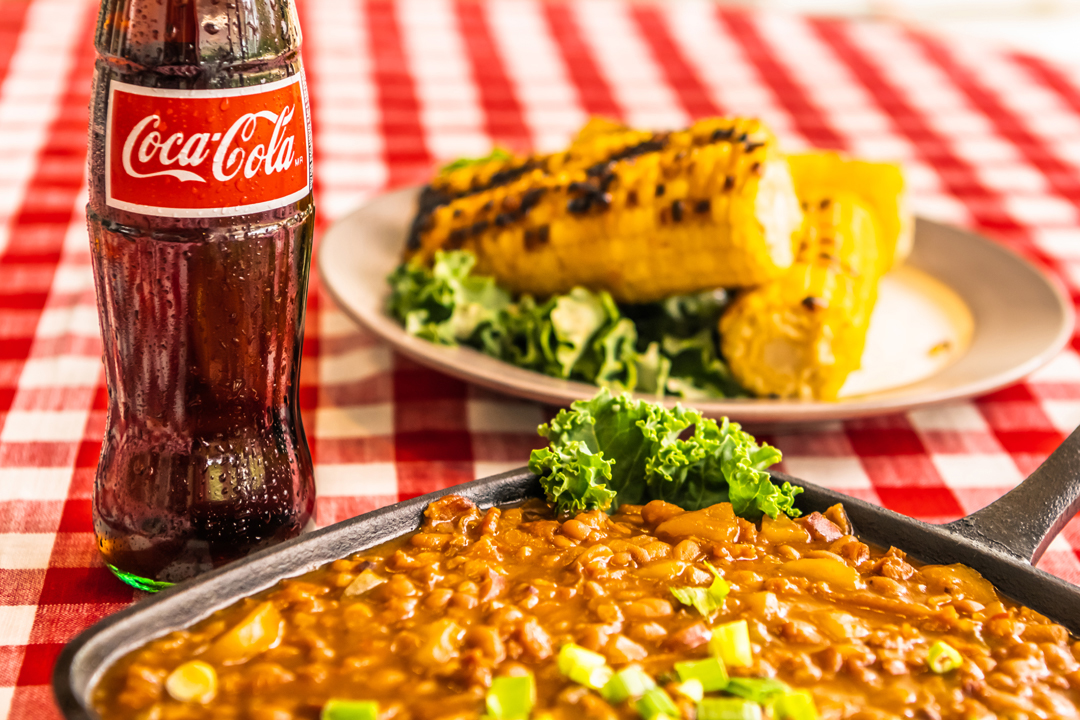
column 801, row 335
column 879, row 184
column 642, row 215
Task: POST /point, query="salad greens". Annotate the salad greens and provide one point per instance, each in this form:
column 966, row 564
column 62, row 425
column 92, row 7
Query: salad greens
column 497, row 153
column 609, row 450
column 660, row 348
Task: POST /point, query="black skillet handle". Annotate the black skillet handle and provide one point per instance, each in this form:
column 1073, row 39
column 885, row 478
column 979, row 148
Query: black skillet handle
column 1023, row 522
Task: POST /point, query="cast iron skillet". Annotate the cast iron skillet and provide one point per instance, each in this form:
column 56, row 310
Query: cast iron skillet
column 1001, row 541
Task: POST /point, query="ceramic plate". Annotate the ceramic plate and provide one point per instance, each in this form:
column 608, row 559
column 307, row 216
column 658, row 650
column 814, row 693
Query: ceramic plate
column 962, row 316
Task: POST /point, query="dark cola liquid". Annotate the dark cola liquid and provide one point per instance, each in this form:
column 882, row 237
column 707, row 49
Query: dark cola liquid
column 204, row 458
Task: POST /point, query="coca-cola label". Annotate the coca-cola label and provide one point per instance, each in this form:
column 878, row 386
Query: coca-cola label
column 207, row 153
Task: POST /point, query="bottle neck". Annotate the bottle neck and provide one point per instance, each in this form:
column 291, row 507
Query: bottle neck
column 175, row 36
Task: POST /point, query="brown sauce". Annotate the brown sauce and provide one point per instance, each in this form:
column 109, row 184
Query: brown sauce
column 479, row 594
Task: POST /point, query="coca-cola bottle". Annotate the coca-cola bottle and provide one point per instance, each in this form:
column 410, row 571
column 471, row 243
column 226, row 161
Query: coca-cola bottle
column 201, row 221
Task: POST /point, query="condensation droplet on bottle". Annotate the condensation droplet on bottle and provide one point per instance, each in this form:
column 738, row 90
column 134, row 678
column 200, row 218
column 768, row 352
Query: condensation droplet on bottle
column 210, row 28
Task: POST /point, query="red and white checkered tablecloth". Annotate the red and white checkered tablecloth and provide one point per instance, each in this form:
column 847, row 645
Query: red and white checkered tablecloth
column 992, row 141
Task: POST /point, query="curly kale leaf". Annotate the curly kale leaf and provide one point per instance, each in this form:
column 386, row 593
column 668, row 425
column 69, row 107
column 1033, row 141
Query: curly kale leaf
column 655, row 453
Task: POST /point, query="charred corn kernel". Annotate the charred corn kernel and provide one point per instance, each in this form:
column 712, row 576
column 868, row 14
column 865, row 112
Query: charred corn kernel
column 801, row 335
column 194, row 681
column 256, row 633
column 643, row 215
column 879, row 184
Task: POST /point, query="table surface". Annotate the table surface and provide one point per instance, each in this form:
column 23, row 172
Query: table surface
column 992, row 140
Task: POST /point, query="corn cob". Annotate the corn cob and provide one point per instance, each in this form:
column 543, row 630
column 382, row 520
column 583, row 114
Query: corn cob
column 879, row 184
column 642, row 215
column 801, row 335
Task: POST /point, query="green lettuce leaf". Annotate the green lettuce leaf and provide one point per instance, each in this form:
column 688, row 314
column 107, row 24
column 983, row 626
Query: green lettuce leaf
column 575, row 319
column 697, row 372
column 580, row 335
column 665, row 348
column 445, row 304
column 653, row 370
column 655, row 453
column 684, row 328
column 497, row 153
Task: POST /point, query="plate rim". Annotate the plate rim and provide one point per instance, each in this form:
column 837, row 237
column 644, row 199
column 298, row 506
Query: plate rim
column 545, row 389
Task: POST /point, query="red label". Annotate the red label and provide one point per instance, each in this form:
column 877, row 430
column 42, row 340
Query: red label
column 207, row 153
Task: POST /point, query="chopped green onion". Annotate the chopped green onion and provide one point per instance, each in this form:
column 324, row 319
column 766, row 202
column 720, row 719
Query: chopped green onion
column 597, row 677
column 656, row 703
column 697, row 598
column 350, row 710
column 511, row 697
column 631, row 682
column 719, row 588
column 710, row 672
column 756, row 689
column 943, row 658
column 496, row 154
column 728, row 709
column 584, row 666
column 731, row 643
column 692, row 689
column 794, row 705
column 705, row 600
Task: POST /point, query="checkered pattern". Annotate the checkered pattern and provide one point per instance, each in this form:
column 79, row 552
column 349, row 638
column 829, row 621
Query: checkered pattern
column 992, row 142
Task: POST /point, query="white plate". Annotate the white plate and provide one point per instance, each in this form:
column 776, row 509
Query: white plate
column 963, row 316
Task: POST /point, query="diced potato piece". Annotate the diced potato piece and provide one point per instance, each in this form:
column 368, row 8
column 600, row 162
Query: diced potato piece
column 622, row 650
column 665, row 569
column 765, row 605
column 840, row 625
column 255, row 634
column 783, row 529
column 716, row 523
column 364, row 582
column 837, row 574
column 658, row 511
column 960, row 579
column 194, row 681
